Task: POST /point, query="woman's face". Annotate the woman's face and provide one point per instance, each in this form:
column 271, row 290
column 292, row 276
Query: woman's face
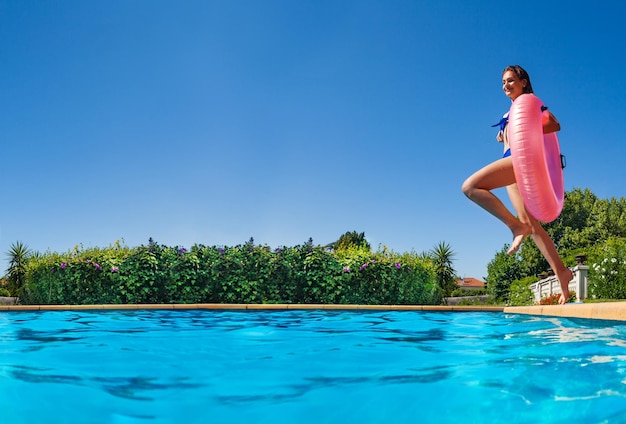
column 512, row 85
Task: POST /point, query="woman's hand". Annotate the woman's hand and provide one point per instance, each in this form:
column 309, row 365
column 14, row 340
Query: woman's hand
column 550, row 124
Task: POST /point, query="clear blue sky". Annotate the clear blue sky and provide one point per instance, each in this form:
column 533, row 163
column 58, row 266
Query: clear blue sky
column 213, row 121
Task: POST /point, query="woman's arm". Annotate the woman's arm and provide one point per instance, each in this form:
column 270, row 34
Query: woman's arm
column 550, row 124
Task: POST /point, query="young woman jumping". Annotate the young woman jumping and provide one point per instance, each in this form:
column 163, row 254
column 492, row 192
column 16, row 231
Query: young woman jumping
column 478, row 187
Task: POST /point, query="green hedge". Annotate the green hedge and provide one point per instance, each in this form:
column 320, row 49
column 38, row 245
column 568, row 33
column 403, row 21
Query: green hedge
column 245, row 273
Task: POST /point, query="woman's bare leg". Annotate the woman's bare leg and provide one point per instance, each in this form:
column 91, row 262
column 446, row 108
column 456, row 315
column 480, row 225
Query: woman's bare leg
column 543, row 241
column 478, row 189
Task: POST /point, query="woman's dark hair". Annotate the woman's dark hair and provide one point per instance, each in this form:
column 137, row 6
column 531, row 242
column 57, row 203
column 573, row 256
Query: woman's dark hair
column 522, row 75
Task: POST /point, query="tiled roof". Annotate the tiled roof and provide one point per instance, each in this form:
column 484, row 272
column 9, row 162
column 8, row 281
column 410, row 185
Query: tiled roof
column 470, row 282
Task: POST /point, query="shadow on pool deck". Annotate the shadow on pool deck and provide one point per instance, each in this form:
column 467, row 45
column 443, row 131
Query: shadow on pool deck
column 606, row 311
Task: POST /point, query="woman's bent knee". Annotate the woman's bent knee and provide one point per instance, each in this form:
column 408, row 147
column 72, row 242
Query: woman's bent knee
column 468, row 187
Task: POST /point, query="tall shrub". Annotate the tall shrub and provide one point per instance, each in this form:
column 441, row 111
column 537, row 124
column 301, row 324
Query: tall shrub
column 520, row 293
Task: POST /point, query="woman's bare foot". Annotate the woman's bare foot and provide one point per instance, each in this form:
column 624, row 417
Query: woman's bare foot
column 519, row 234
column 564, row 278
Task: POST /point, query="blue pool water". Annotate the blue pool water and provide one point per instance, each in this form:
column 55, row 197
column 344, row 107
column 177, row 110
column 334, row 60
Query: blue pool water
column 309, row 366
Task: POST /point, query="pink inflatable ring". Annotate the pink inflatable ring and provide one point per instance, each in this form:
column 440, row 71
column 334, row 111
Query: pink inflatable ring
column 537, row 159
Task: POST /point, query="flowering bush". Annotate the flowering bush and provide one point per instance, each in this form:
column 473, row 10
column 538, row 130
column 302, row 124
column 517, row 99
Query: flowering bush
column 384, row 277
column 607, row 276
column 553, row 299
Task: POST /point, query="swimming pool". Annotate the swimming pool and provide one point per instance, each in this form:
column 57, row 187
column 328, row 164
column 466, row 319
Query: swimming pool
column 309, row 366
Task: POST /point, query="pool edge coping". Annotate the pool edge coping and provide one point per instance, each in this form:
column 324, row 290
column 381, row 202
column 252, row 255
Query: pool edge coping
column 249, row 306
column 604, row 311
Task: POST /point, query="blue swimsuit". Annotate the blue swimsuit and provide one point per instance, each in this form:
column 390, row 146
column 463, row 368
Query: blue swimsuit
column 502, row 124
column 502, row 135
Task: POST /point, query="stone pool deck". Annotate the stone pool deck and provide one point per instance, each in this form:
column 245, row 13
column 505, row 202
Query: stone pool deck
column 605, row 311
column 615, row 311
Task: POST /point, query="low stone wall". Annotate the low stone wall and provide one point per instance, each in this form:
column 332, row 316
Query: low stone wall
column 7, row 300
column 457, row 300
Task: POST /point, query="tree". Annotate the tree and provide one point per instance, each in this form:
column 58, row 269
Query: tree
column 501, row 272
column 576, row 228
column 585, row 224
column 18, row 255
column 442, row 256
column 350, row 239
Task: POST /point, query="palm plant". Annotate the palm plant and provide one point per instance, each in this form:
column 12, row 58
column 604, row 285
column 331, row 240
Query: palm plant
column 442, row 256
column 18, row 256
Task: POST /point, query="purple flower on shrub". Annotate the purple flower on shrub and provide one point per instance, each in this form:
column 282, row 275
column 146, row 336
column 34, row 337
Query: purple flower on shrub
column 182, row 250
column 63, row 265
column 398, row 266
column 363, row 266
column 277, row 250
column 97, row 265
column 346, row 269
column 220, row 250
column 114, row 269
